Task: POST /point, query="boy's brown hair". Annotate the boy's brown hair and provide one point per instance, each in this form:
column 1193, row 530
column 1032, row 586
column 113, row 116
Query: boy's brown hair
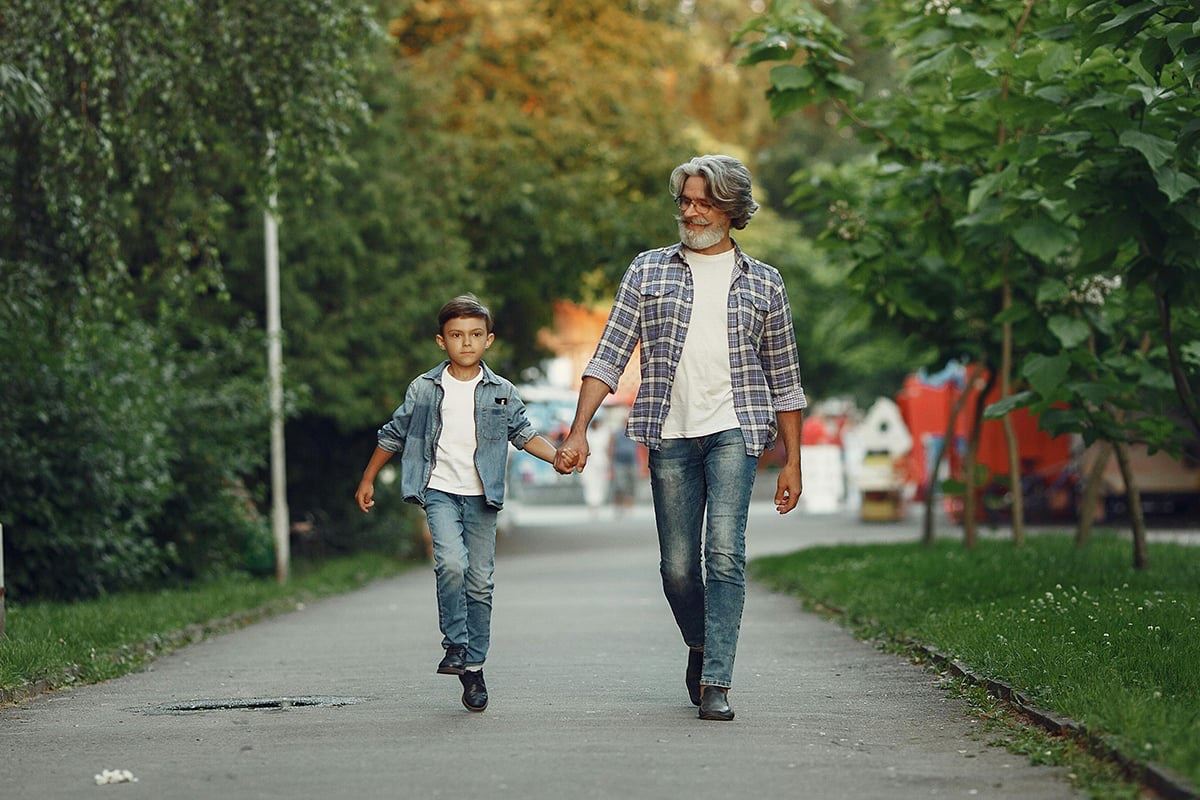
column 465, row 305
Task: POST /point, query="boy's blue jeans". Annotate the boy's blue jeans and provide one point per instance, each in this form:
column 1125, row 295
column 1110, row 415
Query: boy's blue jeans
column 689, row 477
column 463, row 530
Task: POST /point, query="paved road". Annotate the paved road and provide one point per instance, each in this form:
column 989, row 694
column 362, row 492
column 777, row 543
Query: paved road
column 587, row 697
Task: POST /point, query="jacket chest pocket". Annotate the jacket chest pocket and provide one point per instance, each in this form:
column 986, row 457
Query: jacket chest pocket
column 494, row 423
column 660, row 307
column 752, row 310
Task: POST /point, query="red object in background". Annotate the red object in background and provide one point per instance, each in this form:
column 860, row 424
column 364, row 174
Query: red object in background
column 926, row 411
column 815, row 431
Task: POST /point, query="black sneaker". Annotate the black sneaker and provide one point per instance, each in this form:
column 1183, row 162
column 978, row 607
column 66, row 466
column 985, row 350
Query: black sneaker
column 454, row 660
column 692, row 676
column 475, row 696
column 714, row 704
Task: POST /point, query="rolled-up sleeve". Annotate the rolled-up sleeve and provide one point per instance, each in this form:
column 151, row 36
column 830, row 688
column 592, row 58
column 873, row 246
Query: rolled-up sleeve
column 520, row 429
column 621, row 332
column 394, row 433
column 780, row 355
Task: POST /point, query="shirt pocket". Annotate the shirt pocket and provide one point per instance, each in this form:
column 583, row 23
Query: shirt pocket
column 660, row 307
column 494, row 423
column 753, row 308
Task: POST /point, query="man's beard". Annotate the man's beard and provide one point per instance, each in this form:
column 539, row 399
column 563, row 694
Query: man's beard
column 702, row 239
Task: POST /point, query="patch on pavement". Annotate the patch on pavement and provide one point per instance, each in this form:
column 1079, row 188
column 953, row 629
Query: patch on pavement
column 252, row 704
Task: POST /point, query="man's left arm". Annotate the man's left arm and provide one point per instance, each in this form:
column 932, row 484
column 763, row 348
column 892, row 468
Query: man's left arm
column 780, row 357
column 790, row 484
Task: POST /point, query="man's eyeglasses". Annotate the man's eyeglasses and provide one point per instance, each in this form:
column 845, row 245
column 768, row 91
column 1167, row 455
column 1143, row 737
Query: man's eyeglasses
column 702, row 206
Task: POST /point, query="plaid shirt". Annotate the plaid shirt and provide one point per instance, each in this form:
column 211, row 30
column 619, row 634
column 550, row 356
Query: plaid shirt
column 654, row 305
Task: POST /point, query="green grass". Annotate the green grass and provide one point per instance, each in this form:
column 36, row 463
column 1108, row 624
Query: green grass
column 67, row 643
column 1078, row 631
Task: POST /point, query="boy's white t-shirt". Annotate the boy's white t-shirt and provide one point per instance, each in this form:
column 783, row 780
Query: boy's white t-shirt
column 454, row 468
column 702, row 392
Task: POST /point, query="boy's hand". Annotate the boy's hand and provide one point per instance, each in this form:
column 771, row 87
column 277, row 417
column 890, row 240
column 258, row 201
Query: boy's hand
column 365, row 496
column 573, row 455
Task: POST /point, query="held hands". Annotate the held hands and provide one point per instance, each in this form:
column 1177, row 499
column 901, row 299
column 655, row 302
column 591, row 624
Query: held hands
column 365, row 496
column 788, row 489
column 572, row 456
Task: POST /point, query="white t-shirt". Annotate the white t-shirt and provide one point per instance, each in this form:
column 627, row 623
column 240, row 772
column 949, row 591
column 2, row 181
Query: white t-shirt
column 702, row 392
column 454, row 469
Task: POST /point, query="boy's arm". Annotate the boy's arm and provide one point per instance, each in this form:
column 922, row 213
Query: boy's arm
column 540, row 446
column 365, row 496
column 391, row 438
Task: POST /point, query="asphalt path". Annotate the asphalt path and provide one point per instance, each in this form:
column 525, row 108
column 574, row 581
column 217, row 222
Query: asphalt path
column 587, row 696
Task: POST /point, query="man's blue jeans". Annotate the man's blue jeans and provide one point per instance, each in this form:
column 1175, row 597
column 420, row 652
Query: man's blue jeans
column 463, row 530
column 689, row 477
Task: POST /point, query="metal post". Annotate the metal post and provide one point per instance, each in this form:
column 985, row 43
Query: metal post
column 1, row 581
column 279, row 507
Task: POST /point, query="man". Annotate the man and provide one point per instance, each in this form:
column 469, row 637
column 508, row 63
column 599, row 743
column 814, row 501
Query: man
column 720, row 379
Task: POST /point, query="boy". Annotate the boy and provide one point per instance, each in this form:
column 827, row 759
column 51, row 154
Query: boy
column 452, row 432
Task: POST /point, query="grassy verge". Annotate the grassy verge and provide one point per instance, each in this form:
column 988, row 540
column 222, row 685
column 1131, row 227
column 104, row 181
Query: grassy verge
column 50, row 645
column 1079, row 632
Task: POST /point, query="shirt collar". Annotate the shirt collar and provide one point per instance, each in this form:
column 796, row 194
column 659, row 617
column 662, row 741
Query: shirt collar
column 435, row 374
column 675, row 251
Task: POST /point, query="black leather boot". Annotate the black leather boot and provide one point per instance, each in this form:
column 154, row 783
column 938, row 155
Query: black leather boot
column 452, row 663
column 692, row 677
column 714, row 704
column 475, row 696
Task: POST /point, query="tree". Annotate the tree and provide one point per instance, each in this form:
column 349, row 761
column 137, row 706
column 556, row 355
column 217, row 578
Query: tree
column 1064, row 149
column 125, row 136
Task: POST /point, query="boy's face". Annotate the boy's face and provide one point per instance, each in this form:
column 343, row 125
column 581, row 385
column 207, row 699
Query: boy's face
column 465, row 339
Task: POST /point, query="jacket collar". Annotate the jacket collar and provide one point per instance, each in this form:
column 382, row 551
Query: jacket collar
column 435, row 374
column 675, row 252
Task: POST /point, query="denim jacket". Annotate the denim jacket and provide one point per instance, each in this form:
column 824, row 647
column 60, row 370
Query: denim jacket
column 416, row 425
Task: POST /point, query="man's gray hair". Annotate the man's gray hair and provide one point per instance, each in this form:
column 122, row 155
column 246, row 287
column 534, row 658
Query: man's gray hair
column 728, row 183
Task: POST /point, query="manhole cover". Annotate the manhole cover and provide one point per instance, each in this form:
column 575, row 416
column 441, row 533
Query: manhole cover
column 252, row 704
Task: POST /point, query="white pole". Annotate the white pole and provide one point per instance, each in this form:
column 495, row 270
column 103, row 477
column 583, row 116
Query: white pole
column 279, row 507
column 1, row 581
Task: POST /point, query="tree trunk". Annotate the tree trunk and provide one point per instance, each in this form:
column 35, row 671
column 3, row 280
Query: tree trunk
column 1182, row 388
column 1015, row 490
column 970, row 524
column 927, row 532
column 1091, row 495
column 1134, row 498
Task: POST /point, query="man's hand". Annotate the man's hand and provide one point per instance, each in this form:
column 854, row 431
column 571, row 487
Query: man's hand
column 365, row 496
column 788, row 489
column 572, row 455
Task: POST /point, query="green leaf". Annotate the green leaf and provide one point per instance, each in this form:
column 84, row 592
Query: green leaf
column 1001, row 408
column 1071, row 331
column 1157, row 151
column 1043, row 238
column 852, row 85
column 1046, row 373
column 1154, row 378
column 776, row 47
column 1053, row 94
column 1058, row 421
column 1093, row 392
column 790, row 76
column 938, row 63
column 1174, row 183
column 1057, row 57
column 783, row 103
column 1146, row 7
column 1051, row 290
column 1070, row 138
column 952, row 487
column 985, row 186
